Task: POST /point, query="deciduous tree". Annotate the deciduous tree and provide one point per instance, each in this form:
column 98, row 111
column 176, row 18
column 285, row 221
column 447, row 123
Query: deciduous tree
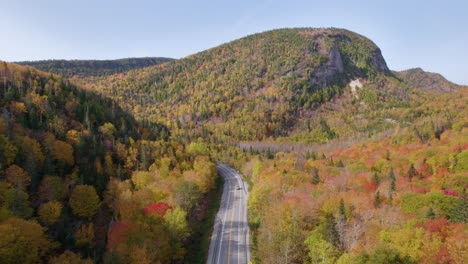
column 22, row 241
column 84, row 201
column 50, row 212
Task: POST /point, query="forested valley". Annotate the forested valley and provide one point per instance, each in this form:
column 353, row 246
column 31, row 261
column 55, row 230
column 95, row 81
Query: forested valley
column 346, row 160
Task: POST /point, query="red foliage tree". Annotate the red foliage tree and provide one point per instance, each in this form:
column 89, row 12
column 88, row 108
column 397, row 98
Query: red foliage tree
column 118, row 233
column 439, row 225
column 450, row 192
column 157, row 208
column 370, row 187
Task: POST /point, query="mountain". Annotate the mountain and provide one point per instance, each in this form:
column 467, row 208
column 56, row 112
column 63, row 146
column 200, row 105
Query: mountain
column 69, row 68
column 428, row 81
column 80, row 177
column 264, row 85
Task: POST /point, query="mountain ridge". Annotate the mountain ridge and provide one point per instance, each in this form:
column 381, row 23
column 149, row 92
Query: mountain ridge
column 289, row 69
column 70, row 68
column 281, row 80
column 424, row 80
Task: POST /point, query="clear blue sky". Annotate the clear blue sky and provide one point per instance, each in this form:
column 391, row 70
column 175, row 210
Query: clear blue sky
column 411, row 33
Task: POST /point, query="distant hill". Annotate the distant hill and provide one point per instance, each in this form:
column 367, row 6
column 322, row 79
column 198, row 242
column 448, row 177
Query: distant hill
column 429, row 81
column 69, row 68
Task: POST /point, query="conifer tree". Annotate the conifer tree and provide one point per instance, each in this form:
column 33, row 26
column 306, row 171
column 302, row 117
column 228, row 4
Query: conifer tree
column 377, row 199
column 411, row 172
column 315, row 176
column 430, row 213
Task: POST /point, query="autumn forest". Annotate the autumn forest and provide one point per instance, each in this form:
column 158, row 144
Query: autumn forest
column 346, row 160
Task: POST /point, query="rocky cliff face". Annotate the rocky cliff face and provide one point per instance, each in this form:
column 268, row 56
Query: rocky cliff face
column 379, row 61
column 349, row 56
column 326, row 73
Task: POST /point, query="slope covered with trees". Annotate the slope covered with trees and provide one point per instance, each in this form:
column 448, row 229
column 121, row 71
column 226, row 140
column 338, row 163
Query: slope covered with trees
column 427, row 80
column 70, row 68
column 81, row 179
column 398, row 199
column 253, row 88
column 347, row 161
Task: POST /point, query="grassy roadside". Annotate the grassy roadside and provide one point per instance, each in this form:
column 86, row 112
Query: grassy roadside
column 198, row 249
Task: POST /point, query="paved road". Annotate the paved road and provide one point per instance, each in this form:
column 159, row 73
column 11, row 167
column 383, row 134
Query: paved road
column 230, row 238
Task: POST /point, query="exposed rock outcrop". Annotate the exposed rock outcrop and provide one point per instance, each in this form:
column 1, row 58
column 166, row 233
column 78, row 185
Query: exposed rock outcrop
column 325, row 74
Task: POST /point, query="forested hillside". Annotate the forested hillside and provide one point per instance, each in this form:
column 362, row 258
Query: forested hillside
column 70, row 68
column 348, row 162
column 80, row 178
column 427, row 80
column 398, row 199
column 257, row 87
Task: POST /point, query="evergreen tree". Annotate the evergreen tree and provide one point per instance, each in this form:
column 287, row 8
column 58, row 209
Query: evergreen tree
column 377, row 199
column 460, row 209
column 342, row 210
column 430, row 213
column 315, row 176
column 30, row 167
column 331, row 231
column 314, row 155
column 411, row 172
column 391, row 176
column 375, row 177
column 340, row 164
column 387, row 155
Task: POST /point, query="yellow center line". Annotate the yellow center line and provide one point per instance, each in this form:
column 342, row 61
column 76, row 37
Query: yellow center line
column 230, row 233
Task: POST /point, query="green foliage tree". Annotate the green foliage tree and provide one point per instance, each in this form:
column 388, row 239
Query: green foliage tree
column 377, row 201
column 84, row 201
column 52, row 188
column 177, row 226
column 320, row 250
column 430, row 213
column 383, row 255
column 18, row 203
column 22, row 241
column 8, row 151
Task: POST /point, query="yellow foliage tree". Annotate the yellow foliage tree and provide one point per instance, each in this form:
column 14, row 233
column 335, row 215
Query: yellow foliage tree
column 72, row 136
column 69, row 257
column 85, row 236
column 22, row 241
column 18, row 177
column 63, row 152
column 50, row 212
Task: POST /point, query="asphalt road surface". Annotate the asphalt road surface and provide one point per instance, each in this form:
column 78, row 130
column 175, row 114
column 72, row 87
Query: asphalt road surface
column 230, row 239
